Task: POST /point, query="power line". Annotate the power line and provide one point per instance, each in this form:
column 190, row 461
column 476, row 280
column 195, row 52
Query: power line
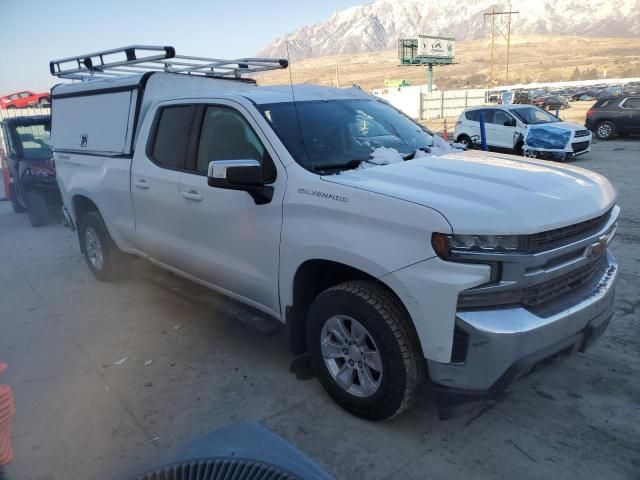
column 493, row 14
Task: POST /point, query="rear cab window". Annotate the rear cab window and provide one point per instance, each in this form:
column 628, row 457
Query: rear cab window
column 170, row 141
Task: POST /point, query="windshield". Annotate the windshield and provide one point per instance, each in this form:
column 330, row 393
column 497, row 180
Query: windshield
column 534, row 115
column 342, row 133
column 35, row 141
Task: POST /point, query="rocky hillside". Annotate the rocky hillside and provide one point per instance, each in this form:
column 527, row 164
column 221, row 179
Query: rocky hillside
column 378, row 25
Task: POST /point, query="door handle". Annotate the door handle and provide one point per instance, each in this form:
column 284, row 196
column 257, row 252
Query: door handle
column 142, row 183
column 192, row 195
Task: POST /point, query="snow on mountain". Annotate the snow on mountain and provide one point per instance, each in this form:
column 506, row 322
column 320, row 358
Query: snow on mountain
column 378, row 25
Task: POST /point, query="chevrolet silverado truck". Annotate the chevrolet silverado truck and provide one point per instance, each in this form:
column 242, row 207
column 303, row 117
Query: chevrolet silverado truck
column 391, row 258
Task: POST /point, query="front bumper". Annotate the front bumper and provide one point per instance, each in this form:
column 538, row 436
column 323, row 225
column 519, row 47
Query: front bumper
column 505, row 344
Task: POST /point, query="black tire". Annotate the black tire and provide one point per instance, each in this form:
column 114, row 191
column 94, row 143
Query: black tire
column 466, row 141
column 605, row 130
column 42, row 102
column 389, row 326
column 114, row 264
column 11, row 107
column 37, row 208
column 518, row 149
column 15, row 204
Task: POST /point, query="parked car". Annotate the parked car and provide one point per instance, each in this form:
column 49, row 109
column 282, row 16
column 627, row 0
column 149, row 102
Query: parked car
column 507, row 125
column 329, row 210
column 33, row 186
column 24, row 99
column 582, row 95
column 551, row 102
column 613, row 116
column 522, row 98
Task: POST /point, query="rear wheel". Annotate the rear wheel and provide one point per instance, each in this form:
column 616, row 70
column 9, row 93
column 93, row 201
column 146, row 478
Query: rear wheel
column 104, row 259
column 605, row 130
column 364, row 349
column 15, row 204
column 37, row 208
column 43, row 102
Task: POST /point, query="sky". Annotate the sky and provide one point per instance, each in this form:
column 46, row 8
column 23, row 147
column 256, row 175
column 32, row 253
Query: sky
column 33, row 33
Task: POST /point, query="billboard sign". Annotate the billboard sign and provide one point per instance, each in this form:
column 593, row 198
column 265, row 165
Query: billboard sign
column 436, row 47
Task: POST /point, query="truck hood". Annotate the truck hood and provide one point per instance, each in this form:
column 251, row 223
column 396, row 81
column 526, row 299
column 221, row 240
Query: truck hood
column 490, row 193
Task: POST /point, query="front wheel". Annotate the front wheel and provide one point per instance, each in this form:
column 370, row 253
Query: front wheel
column 104, row 259
column 465, row 140
column 364, row 349
column 605, row 130
column 37, row 208
column 15, row 203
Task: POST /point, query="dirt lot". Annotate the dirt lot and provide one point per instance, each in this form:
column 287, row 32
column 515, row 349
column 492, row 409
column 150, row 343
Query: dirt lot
column 82, row 416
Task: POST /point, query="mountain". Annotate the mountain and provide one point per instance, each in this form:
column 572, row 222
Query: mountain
column 378, row 25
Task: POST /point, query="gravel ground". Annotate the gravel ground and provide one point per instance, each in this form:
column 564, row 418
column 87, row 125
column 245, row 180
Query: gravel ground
column 83, row 411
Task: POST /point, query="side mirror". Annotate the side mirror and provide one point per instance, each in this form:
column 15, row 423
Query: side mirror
column 509, row 123
column 245, row 175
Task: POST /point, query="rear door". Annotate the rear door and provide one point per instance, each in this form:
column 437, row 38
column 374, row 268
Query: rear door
column 155, row 182
column 631, row 115
column 469, row 123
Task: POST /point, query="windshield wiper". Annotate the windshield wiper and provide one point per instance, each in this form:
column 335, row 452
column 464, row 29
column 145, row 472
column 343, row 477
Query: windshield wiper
column 339, row 166
column 411, row 156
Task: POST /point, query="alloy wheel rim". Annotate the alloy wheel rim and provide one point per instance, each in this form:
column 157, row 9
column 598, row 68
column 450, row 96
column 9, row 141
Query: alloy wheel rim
column 94, row 248
column 604, row 130
column 351, row 356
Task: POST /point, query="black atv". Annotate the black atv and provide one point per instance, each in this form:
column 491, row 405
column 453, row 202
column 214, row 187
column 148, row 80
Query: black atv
column 33, row 186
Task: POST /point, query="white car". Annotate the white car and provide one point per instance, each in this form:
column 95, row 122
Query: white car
column 507, row 126
column 331, row 212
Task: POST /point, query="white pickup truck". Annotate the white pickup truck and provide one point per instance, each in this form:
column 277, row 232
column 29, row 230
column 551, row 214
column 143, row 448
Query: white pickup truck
column 468, row 268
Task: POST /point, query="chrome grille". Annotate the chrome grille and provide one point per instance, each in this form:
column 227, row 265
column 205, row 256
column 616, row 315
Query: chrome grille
column 539, row 240
column 543, row 292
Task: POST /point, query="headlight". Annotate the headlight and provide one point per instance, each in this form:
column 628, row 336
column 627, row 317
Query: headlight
column 445, row 244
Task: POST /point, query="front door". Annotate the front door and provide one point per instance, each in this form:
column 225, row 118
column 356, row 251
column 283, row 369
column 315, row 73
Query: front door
column 501, row 128
column 228, row 240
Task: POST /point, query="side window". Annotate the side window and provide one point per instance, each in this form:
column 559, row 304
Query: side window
column 171, row 136
column 632, row 102
column 472, row 115
column 226, row 135
column 500, row 117
column 488, row 115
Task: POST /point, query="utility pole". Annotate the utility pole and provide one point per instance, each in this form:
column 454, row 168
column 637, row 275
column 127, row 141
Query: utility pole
column 493, row 14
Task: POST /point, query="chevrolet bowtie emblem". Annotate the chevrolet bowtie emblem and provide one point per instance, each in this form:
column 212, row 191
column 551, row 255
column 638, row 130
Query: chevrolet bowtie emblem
column 596, row 249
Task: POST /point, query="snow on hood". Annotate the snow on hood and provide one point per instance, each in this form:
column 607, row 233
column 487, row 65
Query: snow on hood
column 387, row 156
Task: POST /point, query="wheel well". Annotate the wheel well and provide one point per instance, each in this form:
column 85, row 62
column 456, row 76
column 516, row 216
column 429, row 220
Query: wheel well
column 81, row 206
column 312, row 278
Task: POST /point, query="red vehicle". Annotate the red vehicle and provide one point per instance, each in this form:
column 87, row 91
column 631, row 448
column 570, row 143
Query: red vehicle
column 24, row 99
